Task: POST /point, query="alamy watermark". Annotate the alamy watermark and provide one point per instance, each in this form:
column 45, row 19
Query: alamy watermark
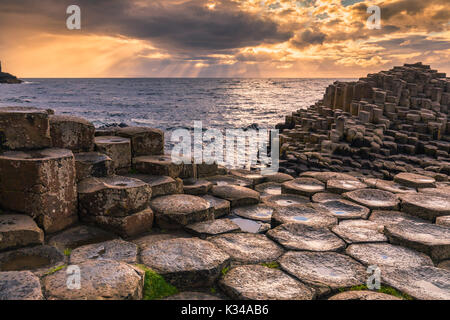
column 237, row 148
column 73, row 22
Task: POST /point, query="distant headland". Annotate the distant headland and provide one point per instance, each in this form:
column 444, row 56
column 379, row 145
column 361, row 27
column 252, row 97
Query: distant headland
column 7, row 77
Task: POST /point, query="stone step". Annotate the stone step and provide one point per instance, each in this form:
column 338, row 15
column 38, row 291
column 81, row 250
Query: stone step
column 303, row 186
column 20, row 285
column 238, row 196
column 17, row 230
column 118, row 149
column 158, row 166
column 74, row 133
column 161, row 185
column 93, row 164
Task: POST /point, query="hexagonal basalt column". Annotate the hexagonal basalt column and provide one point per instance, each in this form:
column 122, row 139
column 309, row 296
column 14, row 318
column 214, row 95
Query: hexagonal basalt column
column 248, row 248
column 40, row 184
column 238, row 196
column 325, row 270
column 179, row 210
column 305, row 215
column 374, row 199
column 186, row 263
column 158, row 165
column 20, row 285
column 161, row 185
column 425, row 205
column 428, row 238
column 342, row 186
column 118, row 149
column 360, row 231
column 144, row 141
column 294, row 236
column 74, row 133
column 114, row 196
column 254, row 282
column 24, row 128
column 343, row 209
column 415, row 180
column 93, row 164
column 303, row 186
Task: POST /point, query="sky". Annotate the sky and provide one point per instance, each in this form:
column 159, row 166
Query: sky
column 221, row 38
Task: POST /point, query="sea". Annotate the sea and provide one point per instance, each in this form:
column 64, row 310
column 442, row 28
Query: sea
column 170, row 103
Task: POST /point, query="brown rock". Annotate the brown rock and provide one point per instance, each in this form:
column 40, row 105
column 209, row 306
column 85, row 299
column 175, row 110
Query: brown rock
column 118, row 149
column 144, row 141
column 74, row 133
column 18, row 231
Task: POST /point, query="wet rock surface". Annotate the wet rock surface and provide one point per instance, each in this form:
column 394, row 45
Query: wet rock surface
column 248, row 248
column 294, row 236
column 254, row 282
column 186, row 262
column 259, row 212
column 306, row 215
column 268, row 189
column 285, row 200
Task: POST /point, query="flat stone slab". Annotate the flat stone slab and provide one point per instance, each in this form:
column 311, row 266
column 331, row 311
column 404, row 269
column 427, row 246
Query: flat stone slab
column 259, row 212
column 363, row 295
column 360, row 231
column 251, row 226
column 374, row 199
column 294, row 236
column 248, row 248
column 428, row 238
column 443, row 221
column 387, row 218
column 285, row 200
column 117, row 148
column 178, row 210
column 79, row 236
column 306, row 215
column 221, row 207
column 342, row 186
column 343, row 209
column 100, row 280
column 413, row 180
column 324, row 269
column 238, row 196
column 390, row 186
column 93, row 164
column 443, row 191
column 385, row 254
column 39, row 259
column 18, row 230
column 144, row 241
column 213, row 228
column 229, row 180
column 325, row 176
column 186, row 263
column 425, row 205
column 189, row 296
column 303, row 187
column 20, row 285
column 255, row 282
column 423, row 283
column 269, row 189
column 118, row 250
column 325, row 197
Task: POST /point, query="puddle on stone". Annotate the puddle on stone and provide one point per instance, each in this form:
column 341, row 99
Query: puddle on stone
column 285, row 203
column 21, row 263
column 247, row 225
column 339, row 212
column 299, row 218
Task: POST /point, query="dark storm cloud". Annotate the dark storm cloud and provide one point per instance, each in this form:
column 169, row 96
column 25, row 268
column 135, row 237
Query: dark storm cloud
column 309, row 37
column 188, row 26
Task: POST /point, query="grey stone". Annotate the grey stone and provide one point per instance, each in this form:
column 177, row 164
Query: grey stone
column 186, row 263
column 254, row 282
column 248, row 248
column 360, row 231
column 20, row 285
column 294, row 236
column 100, row 280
